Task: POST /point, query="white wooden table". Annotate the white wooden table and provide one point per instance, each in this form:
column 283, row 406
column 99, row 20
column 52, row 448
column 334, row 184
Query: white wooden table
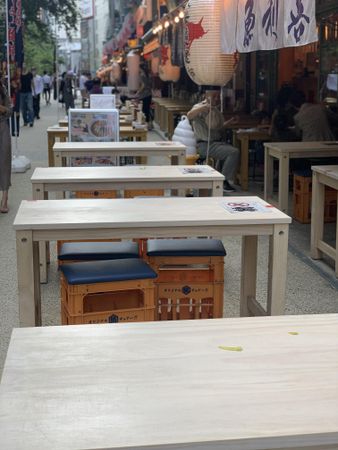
column 51, row 220
column 322, row 176
column 171, row 386
column 57, row 179
column 118, row 149
column 283, row 152
column 62, row 179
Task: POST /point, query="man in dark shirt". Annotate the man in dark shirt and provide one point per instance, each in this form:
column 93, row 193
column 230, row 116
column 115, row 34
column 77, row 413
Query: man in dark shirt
column 26, row 96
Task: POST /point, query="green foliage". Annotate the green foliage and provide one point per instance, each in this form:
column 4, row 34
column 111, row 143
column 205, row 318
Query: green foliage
column 64, row 11
column 39, row 49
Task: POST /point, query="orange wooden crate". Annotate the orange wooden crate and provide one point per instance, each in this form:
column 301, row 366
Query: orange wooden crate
column 302, row 185
column 194, row 281
column 116, row 316
column 131, row 193
column 96, row 194
column 178, row 301
column 80, row 299
column 302, row 206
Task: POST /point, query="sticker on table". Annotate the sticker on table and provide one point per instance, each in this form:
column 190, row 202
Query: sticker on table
column 240, row 207
column 195, row 170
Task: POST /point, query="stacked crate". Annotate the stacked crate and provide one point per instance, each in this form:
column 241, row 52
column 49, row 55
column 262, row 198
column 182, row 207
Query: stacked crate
column 188, row 287
column 302, row 195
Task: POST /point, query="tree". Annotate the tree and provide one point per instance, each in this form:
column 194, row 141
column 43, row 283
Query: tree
column 64, row 11
column 39, row 49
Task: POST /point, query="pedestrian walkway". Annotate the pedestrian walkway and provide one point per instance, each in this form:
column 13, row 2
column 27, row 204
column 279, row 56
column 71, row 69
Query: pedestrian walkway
column 311, row 287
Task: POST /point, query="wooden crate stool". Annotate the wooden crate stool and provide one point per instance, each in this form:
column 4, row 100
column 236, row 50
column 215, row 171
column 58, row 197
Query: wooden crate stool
column 190, row 281
column 107, row 292
column 97, row 251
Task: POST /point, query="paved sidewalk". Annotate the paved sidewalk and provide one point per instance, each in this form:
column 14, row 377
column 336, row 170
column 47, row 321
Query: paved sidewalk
column 312, row 286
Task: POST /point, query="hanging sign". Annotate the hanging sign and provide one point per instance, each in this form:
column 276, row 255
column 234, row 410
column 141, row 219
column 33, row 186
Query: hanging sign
column 15, row 42
column 86, row 9
column 251, row 25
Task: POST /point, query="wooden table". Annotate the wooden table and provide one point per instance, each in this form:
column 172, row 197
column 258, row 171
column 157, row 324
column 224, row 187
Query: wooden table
column 54, row 133
column 283, row 152
column 322, row 176
column 173, row 385
column 241, row 139
column 171, row 111
column 73, row 179
column 63, row 123
column 51, row 220
column 133, row 134
column 118, row 149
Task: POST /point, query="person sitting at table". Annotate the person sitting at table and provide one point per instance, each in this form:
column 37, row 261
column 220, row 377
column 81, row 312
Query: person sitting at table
column 282, row 120
column 96, row 89
column 207, row 114
column 311, row 121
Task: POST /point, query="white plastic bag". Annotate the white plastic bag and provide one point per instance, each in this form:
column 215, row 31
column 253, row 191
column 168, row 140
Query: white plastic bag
column 185, row 135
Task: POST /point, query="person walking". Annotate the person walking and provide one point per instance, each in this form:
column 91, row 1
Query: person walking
column 145, row 95
column 38, row 90
column 68, row 95
column 5, row 147
column 47, row 84
column 206, row 115
column 26, row 97
column 82, row 87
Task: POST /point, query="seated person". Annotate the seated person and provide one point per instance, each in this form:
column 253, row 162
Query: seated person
column 312, row 123
column 206, row 114
column 96, row 88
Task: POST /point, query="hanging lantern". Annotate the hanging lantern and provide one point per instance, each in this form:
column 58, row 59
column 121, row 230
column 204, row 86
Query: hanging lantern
column 205, row 63
column 133, row 65
column 167, row 71
column 116, row 73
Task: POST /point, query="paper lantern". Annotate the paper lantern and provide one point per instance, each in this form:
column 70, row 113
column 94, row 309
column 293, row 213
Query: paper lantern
column 133, row 65
column 116, row 73
column 167, row 71
column 204, row 62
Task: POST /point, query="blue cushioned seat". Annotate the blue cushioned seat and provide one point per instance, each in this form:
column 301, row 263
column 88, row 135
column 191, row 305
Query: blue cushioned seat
column 96, row 251
column 106, row 271
column 185, row 247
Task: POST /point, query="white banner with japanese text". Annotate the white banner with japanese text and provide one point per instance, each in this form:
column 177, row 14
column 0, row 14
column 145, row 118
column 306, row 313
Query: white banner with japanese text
column 267, row 24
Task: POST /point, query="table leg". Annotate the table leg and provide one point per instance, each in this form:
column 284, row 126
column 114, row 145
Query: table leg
column 39, row 194
column 245, row 163
column 217, row 189
column 28, row 279
column 249, row 273
column 317, row 216
column 278, row 255
column 51, row 141
column 268, row 175
column 283, row 184
column 181, row 159
column 171, row 124
column 57, row 159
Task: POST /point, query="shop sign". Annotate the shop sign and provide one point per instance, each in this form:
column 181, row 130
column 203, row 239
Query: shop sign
column 251, row 25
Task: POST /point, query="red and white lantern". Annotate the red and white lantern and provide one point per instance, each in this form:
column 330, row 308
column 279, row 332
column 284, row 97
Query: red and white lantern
column 168, row 72
column 205, row 63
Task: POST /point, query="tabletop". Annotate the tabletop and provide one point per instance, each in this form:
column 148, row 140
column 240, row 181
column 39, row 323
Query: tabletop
column 99, row 146
column 248, row 383
column 301, row 146
column 125, row 173
column 143, row 212
column 330, row 171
